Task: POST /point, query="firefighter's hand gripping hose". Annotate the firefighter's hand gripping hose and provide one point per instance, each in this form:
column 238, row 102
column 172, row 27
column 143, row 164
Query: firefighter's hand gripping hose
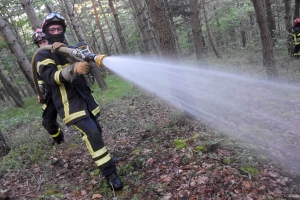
column 80, row 54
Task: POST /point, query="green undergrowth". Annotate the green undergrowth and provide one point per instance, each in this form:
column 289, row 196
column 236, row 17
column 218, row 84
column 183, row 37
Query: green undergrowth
column 117, row 89
column 12, row 118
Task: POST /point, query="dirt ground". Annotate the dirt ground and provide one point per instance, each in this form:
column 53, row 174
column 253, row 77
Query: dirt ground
column 142, row 132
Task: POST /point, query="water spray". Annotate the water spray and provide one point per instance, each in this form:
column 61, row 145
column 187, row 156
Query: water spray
column 264, row 114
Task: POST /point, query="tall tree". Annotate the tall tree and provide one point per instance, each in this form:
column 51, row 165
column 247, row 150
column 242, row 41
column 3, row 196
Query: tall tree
column 33, row 19
column 209, row 32
column 118, row 27
column 100, row 28
column 162, row 25
column 270, row 18
column 196, row 30
column 74, row 21
column 146, row 25
column 288, row 26
column 16, row 49
column 266, row 39
column 108, row 27
column 139, row 18
column 297, row 7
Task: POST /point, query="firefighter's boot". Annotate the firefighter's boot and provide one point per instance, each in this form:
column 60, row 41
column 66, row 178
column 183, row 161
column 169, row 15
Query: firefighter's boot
column 114, row 181
column 59, row 139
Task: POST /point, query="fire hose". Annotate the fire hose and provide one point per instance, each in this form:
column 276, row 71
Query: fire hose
column 80, row 53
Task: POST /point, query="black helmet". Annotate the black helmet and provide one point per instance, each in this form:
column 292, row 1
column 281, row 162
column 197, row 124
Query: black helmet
column 53, row 18
column 38, row 35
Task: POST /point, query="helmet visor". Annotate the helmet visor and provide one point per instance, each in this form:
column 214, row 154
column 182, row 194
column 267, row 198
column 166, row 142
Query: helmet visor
column 53, row 15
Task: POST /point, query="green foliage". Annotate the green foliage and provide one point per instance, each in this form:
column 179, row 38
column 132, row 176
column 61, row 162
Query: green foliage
column 200, row 148
column 15, row 117
column 117, row 88
column 97, row 172
column 180, row 144
column 250, row 170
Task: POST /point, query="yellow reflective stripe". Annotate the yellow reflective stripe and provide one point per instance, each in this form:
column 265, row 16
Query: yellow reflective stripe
column 61, row 67
column 40, row 82
column 56, row 134
column 56, row 78
column 102, row 161
column 74, row 116
column 64, row 99
column 99, row 152
column 44, row 106
column 44, row 62
column 96, row 110
column 84, row 138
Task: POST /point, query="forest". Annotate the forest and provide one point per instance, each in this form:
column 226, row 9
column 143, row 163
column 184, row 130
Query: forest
column 199, row 100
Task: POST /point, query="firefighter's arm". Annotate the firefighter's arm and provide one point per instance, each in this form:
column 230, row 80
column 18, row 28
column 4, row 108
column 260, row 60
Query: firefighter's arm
column 78, row 68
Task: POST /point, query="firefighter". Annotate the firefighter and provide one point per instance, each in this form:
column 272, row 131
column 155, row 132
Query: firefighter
column 72, row 96
column 49, row 115
column 296, row 37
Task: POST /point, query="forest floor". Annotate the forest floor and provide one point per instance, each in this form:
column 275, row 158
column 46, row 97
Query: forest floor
column 145, row 133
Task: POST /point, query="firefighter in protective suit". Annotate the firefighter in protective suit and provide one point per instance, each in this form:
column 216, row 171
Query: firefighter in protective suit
column 72, row 96
column 49, row 111
column 296, row 37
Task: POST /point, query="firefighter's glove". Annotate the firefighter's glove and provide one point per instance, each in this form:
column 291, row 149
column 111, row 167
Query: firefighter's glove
column 40, row 100
column 56, row 46
column 70, row 72
column 42, row 88
column 81, row 67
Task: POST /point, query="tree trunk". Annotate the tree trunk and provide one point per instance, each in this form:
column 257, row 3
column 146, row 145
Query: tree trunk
column 16, row 49
column 74, row 21
column 98, row 76
column 4, row 148
column 30, row 12
column 270, row 18
column 163, row 28
column 267, row 45
column 11, row 91
column 118, row 28
column 211, row 38
column 109, row 29
column 296, row 11
column 141, row 25
column 162, row 25
column 289, row 25
column 100, row 28
column 149, row 29
column 196, row 30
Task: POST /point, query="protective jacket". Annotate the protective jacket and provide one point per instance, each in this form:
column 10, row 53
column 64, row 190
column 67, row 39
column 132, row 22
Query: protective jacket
column 70, row 106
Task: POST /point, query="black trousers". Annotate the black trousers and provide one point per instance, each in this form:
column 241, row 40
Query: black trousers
column 49, row 120
column 92, row 135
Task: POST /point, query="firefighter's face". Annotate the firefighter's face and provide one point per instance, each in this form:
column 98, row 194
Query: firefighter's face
column 55, row 29
column 42, row 42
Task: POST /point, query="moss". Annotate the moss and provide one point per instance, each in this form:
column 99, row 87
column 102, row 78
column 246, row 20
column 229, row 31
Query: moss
column 180, row 144
column 50, row 192
column 195, row 136
column 200, row 148
column 136, row 151
column 228, row 160
column 96, row 172
column 250, row 170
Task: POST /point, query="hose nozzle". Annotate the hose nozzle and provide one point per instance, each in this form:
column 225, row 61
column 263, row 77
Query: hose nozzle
column 98, row 59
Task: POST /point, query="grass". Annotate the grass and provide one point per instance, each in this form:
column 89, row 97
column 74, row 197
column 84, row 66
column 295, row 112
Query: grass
column 117, row 89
